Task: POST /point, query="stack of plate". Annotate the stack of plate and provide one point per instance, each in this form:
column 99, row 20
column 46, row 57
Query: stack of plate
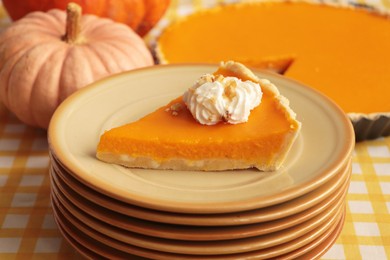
column 109, row 211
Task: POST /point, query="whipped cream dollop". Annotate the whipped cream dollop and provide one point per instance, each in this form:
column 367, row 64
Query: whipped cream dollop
column 213, row 99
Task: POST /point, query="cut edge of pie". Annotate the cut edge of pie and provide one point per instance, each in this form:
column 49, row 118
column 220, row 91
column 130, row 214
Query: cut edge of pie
column 278, row 144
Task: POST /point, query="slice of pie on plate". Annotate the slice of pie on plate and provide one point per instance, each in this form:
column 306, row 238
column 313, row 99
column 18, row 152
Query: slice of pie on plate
column 171, row 137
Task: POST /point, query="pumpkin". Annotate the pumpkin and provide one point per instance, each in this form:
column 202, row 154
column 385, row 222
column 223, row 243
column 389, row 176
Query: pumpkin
column 140, row 15
column 3, row 110
column 45, row 57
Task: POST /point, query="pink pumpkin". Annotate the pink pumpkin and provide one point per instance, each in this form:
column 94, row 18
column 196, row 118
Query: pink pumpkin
column 45, row 57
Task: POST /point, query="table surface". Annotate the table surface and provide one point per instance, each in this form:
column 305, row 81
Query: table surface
column 28, row 230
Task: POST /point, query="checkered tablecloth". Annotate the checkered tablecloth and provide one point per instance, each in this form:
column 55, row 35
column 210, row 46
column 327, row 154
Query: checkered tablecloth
column 28, row 230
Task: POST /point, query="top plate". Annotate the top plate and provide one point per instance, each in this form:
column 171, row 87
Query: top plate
column 323, row 147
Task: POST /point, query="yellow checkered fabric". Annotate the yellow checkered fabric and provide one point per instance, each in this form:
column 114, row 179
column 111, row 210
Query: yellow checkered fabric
column 366, row 233
column 27, row 227
column 28, row 230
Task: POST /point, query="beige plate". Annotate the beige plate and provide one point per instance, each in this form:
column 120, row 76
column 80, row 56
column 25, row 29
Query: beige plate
column 324, row 145
column 218, row 247
column 286, row 209
column 83, row 209
column 108, row 247
column 83, row 244
column 318, row 247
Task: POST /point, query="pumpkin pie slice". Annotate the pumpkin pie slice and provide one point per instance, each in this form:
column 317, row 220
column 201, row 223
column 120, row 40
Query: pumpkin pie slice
column 172, row 138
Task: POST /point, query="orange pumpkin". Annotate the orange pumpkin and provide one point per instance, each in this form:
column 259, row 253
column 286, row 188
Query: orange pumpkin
column 140, row 15
column 45, row 57
column 3, row 110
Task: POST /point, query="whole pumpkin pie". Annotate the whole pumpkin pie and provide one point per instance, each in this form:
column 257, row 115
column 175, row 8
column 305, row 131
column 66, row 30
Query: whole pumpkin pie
column 180, row 136
column 343, row 52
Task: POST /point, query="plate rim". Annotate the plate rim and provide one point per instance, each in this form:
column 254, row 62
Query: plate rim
column 320, row 222
column 249, row 217
column 326, row 243
column 273, row 225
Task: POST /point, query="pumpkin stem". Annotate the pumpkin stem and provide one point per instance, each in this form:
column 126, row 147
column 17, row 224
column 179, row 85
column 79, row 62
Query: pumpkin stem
column 73, row 24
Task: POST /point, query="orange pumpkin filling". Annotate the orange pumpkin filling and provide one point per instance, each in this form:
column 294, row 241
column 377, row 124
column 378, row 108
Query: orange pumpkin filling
column 343, row 52
column 181, row 136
